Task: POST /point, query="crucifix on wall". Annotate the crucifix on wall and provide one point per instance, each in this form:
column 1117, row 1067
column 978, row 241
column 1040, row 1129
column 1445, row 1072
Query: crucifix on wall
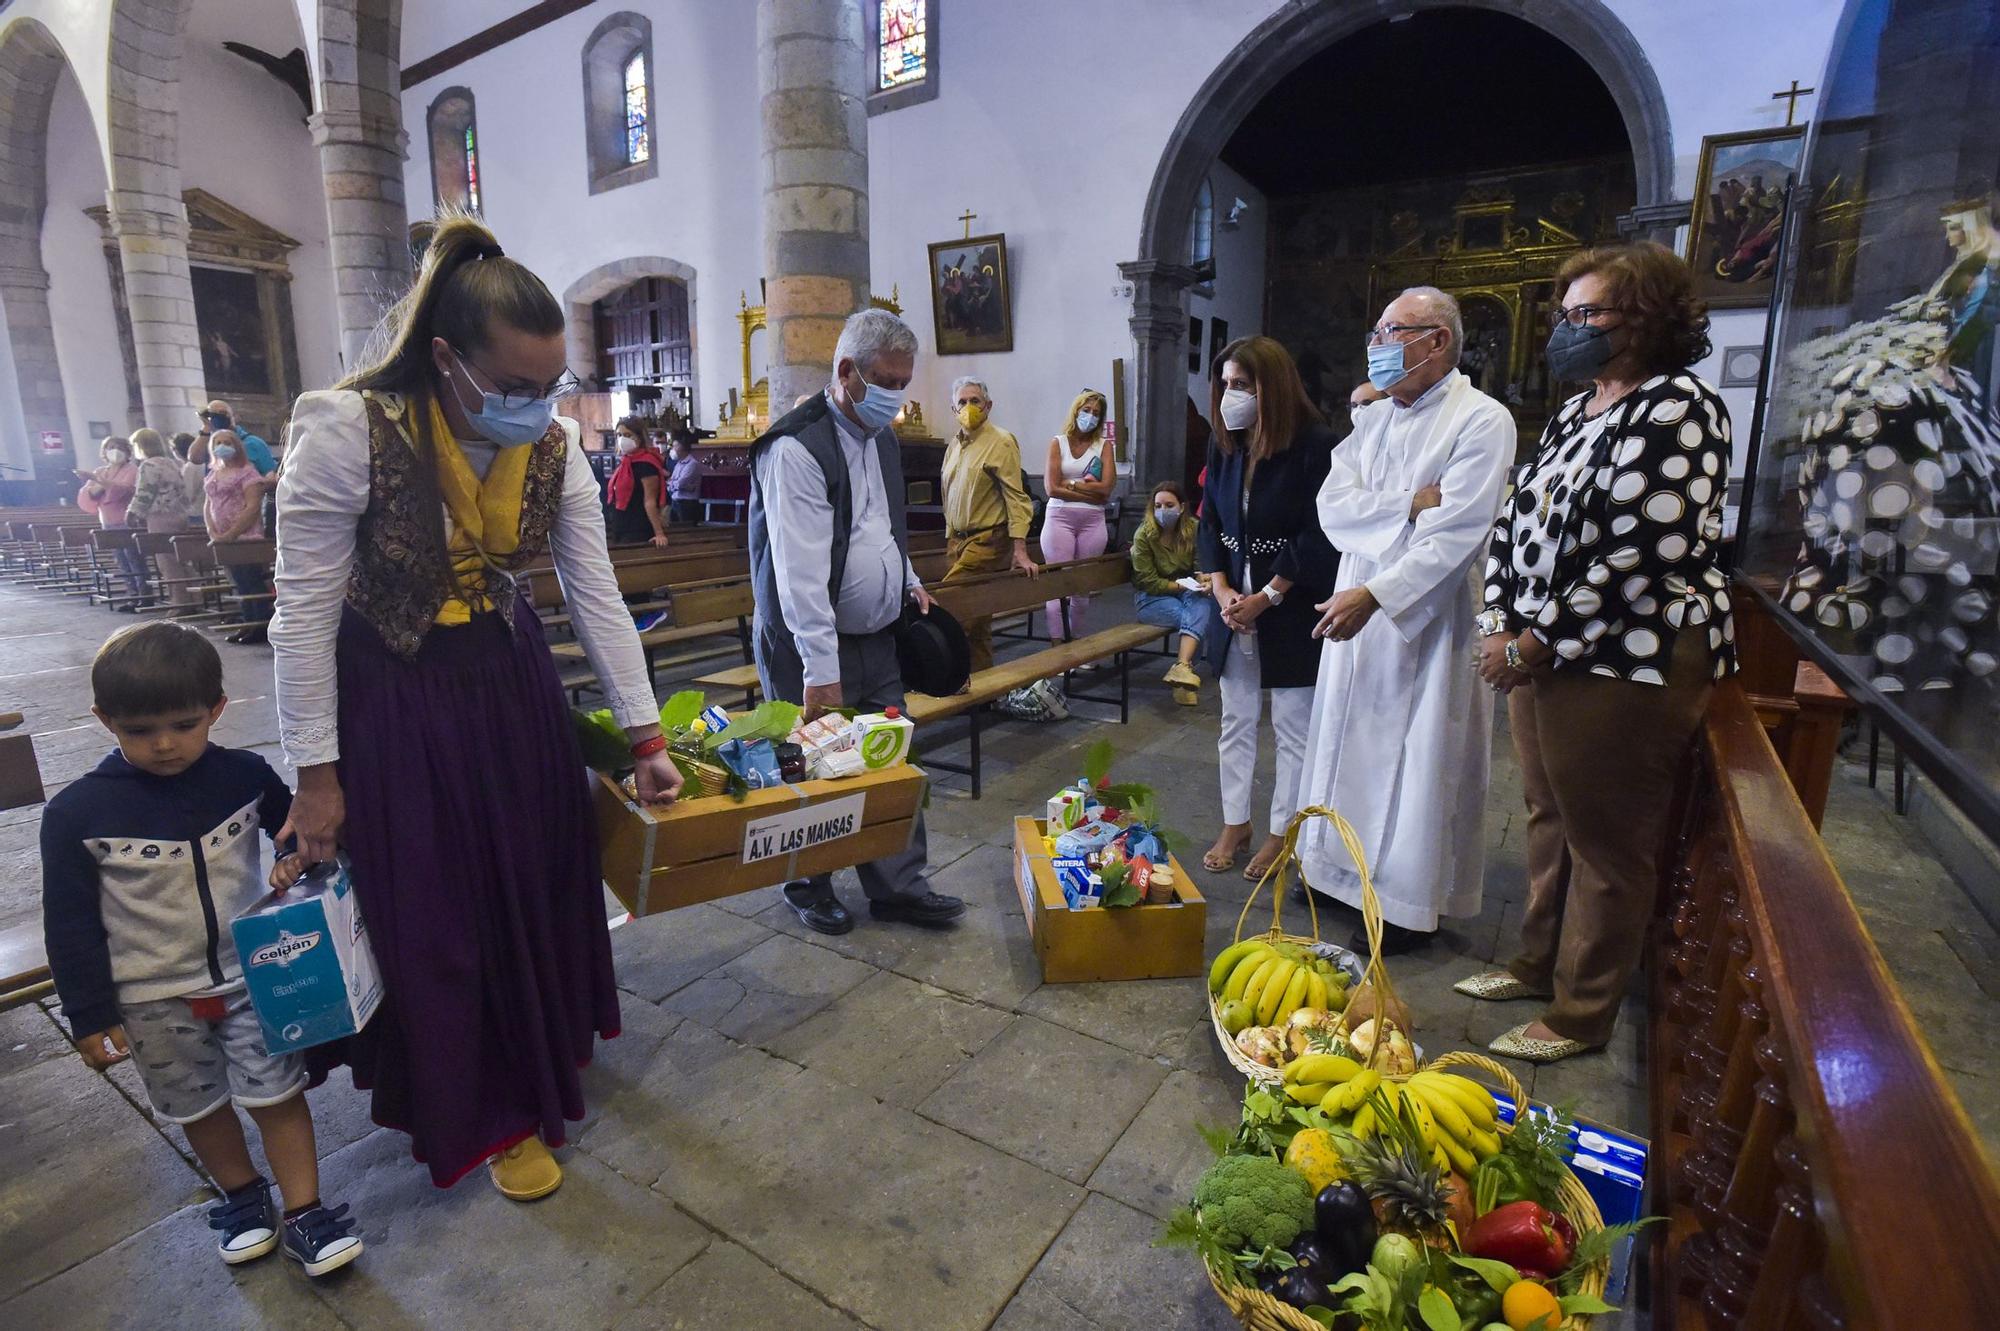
column 1790, row 97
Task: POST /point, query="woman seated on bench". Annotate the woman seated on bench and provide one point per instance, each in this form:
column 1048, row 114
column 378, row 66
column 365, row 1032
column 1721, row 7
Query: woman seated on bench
column 1165, row 590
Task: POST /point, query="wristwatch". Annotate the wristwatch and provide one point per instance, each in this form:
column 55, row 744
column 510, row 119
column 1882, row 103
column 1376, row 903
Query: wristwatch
column 1491, row 621
column 1273, row 595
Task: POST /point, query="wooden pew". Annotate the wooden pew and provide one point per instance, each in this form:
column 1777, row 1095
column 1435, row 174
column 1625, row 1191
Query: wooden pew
column 24, row 965
column 1816, row 1168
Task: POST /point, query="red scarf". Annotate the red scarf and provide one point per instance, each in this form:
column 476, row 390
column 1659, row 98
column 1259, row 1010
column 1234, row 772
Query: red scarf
column 623, row 482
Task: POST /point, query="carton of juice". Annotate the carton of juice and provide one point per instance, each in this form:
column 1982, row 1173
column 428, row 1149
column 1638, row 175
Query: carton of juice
column 883, row 738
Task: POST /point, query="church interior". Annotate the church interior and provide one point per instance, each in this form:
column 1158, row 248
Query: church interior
column 214, row 204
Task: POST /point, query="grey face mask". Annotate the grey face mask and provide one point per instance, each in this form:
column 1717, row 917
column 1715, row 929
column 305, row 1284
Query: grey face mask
column 1576, row 352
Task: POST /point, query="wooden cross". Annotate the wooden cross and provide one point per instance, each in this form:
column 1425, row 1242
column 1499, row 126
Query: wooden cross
column 968, row 217
column 1790, row 97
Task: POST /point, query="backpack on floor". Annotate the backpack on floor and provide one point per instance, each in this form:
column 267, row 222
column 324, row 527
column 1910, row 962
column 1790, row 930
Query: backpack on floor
column 1040, row 701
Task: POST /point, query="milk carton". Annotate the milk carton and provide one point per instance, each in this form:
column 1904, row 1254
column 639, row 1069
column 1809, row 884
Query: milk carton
column 307, row 963
column 883, row 738
column 1068, row 806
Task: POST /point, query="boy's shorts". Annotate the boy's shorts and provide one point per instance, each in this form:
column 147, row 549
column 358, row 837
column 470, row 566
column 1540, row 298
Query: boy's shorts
column 191, row 1066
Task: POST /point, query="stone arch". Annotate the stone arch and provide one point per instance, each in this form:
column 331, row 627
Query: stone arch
column 610, row 47
column 580, row 332
column 362, row 147
column 1271, row 51
column 31, row 63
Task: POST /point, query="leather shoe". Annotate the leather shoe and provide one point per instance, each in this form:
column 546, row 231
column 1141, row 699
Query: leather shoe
column 931, row 909
column 825, row 917
column 1396, row 940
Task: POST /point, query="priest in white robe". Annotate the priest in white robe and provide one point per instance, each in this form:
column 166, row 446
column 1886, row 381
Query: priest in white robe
column 1401, row 722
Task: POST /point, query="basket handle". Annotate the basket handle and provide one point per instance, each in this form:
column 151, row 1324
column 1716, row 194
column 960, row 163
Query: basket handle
column 1281, row 870
column 1465, row 1058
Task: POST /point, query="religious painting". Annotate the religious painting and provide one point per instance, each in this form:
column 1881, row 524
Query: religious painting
column 1487, row 356
column 971, row 302
column 229, row 320
column 1871, row 523
column 1739, row 209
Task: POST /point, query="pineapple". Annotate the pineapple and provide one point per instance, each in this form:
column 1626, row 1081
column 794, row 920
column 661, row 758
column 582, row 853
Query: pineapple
column 1412, row 1194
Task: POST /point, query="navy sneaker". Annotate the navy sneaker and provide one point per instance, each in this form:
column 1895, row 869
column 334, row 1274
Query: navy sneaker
column 319, row 1239
column 248, row 1223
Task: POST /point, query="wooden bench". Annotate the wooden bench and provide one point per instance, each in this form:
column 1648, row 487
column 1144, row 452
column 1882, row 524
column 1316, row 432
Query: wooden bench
column 24, row 966
column 1815, row 1167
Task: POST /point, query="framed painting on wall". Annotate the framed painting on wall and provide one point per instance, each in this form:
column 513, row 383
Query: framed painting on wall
column 1739, row 209
column 229, row 318
column 971, row 302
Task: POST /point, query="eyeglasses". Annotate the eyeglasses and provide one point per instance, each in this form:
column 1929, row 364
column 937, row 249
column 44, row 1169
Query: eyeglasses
column 561, row 386
column 1576, row 316
column 1380, row 331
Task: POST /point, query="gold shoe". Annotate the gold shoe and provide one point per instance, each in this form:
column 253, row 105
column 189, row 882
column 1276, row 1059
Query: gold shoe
column 1495, row 987
column 1517, row 1043
column 1183, row 675
column 1187, row 697
column 525, row 1172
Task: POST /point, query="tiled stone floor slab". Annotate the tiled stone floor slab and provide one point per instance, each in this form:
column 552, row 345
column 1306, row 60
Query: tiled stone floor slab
column 769, row 989
column 1102, row 1274
column 729, row 1287
column 656, row 955
column 1155, row 1164
column 893, row 1038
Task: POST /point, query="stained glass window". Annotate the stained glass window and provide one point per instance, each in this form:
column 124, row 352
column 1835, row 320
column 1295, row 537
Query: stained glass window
column 1201, row 226
column 902, row 43
column 471, row 170
column 638, row 128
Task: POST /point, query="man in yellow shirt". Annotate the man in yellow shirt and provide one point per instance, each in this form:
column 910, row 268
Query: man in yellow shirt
column 986, row 508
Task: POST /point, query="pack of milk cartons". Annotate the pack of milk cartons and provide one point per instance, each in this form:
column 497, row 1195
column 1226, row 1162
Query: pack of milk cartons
column 307, row 963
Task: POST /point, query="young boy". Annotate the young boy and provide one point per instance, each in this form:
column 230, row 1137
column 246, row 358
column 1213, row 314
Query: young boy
column 145, row 861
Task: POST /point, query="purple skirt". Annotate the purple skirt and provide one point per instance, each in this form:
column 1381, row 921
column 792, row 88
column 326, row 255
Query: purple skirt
column 474, row 853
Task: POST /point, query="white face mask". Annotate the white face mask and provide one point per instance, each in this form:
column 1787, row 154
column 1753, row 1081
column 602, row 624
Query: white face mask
column 115, row 455
column 1239, row 409
column 627, row 444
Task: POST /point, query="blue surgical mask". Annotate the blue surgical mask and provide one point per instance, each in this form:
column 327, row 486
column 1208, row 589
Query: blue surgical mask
column 1167, row 517
column 1387, row 363
column 222, row 452
column 1086, row 421
column 499, row 423
column 877, row 406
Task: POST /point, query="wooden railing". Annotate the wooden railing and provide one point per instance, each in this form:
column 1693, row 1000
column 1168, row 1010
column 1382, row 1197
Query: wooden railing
column 1817, row 1170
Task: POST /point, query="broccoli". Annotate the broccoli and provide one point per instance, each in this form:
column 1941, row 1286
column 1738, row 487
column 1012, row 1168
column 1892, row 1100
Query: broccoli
column 1252, row 1202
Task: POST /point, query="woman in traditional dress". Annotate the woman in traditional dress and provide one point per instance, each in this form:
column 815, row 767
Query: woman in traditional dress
column 419, row 703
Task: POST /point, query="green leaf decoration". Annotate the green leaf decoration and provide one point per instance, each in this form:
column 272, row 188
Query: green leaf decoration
column 1097, row 761
column 1594, row 1248
column 1588, row 1305
column 772, row 719
column 1324, row 1316
column 1434, row 1306
column 1125, row 894
column 679, row 713
column 606, row 747
column 1498, row 1275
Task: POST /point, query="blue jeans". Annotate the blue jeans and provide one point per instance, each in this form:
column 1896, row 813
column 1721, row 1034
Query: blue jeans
column 1193, row 613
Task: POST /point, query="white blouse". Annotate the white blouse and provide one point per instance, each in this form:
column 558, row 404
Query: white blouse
column 322, row 493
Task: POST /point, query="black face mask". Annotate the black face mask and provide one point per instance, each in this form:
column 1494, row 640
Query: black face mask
column 1576, row 352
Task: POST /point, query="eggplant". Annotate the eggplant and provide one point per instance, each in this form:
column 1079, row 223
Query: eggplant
column 1268, row 1281
column 1312, row 1253
column 1302, row 1289
column 1345, row 1223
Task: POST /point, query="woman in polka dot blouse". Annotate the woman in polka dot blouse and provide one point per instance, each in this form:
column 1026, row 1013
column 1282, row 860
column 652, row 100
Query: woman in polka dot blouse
column 1606, row 624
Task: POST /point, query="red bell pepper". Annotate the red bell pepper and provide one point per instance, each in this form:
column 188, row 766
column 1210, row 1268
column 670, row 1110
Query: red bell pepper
column 1526, row 1235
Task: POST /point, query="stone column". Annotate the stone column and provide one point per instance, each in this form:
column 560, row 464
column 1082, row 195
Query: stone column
column 1160, row 327
column 810, row 79
column 152, row 231
column 24, row 292
column 367, row 225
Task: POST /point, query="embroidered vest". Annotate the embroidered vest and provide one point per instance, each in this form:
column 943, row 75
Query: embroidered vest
column 398, row 583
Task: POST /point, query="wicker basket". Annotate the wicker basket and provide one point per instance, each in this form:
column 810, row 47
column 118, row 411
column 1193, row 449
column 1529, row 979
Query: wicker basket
column 1255, row 1309
column 1279, row 879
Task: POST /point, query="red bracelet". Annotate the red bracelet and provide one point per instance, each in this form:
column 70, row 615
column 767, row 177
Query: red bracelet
column 649, row 746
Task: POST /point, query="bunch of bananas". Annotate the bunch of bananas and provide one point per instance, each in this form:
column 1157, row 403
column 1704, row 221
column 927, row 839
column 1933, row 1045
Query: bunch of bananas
column 1273, row 980
column 1454, row 1116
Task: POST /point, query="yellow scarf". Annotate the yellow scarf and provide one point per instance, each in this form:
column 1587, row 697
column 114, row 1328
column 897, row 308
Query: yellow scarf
column 479, row 515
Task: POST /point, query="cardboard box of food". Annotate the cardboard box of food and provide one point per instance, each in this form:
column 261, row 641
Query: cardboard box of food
column 307, row 962
column 1123, row 943
column 700, row 849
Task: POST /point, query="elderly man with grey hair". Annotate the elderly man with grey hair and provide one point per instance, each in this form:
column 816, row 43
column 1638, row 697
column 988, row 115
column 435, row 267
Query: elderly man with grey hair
column 986, row 506
column 1401, row 723
column 830, row 571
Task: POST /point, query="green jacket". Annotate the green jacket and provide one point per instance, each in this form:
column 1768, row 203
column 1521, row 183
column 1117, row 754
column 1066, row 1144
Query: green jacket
column 1156, row 563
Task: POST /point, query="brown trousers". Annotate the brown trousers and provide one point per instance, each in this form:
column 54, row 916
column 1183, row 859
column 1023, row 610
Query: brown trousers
column 1599, row 760
column 971, row 556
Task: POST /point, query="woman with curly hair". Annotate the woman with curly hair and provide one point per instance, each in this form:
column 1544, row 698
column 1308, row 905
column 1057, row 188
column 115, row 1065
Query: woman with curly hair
column 1606, row 625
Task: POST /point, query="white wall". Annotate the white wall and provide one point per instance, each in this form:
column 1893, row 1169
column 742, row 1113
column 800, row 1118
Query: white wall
column 275, row 175
column 93, row 371
column 1239, row 270
column 704, row 207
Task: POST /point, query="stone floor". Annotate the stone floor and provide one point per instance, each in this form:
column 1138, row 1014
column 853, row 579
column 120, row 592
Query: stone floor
column 894, row 1129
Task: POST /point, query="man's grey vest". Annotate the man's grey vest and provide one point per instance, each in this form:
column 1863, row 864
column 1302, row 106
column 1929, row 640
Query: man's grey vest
column 812, row 424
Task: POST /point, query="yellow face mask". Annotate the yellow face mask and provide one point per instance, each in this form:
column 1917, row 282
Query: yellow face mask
column 972, row 415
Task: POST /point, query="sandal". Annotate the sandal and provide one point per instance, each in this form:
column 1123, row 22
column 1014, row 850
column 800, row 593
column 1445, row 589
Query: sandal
column 1517, row 1043
column 1495, row 987
column 1258, row 867
column 1223, row 863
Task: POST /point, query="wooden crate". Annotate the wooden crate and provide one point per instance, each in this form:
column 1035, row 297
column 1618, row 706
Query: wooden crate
column 700, row 849
column 1128, row 943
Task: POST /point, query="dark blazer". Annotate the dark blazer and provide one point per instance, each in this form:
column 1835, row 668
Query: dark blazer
column 1283, row 539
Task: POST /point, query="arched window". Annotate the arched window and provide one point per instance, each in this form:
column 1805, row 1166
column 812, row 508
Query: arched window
column 902, row 42
column 618, row 102
column 454, row 137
